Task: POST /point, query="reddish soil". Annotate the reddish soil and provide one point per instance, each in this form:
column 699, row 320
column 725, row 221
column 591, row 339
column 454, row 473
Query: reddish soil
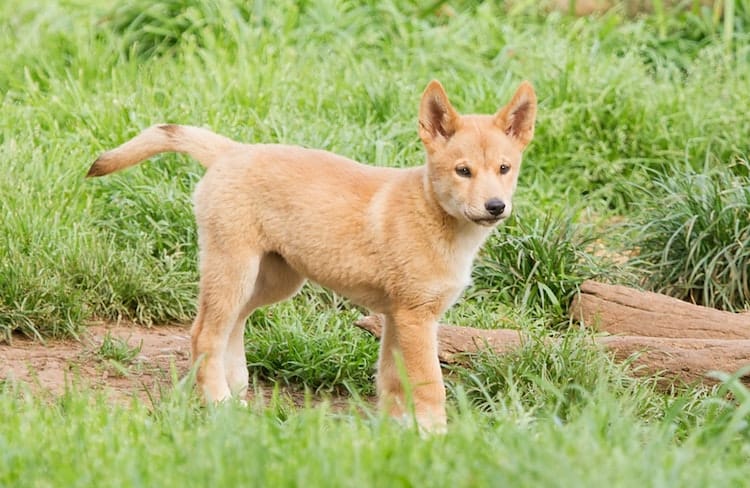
column 54, row 365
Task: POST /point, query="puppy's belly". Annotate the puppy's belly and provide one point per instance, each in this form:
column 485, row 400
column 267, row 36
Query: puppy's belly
column 370, row 297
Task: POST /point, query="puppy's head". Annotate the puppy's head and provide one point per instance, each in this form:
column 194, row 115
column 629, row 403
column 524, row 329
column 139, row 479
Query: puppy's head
column 473, row 160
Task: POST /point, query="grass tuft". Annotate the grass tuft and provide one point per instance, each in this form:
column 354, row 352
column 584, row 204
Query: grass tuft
column 537, row 264
column 550, row 375
column 308, row 343
column 693, row 238
column 153, row 29
column 117, row 349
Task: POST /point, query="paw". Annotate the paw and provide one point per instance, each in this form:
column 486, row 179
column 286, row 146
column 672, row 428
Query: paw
column 430, row 426
column 425, row 426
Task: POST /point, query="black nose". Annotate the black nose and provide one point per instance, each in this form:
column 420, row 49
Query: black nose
column 494, row 206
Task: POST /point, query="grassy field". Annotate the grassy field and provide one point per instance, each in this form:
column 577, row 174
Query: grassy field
column 638, row 174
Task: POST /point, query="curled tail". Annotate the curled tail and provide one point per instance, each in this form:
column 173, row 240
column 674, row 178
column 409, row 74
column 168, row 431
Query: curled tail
column 201, row 144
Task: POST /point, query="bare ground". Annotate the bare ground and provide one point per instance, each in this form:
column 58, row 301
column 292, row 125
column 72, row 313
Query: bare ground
column 55, row 365
column 162, row 357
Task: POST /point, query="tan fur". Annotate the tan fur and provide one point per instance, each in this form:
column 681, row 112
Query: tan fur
column 397, row 241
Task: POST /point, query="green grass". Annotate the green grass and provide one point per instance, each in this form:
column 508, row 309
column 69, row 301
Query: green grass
column 640, row 150
column 117, row 355
column 310, row 343
column 118, row 349
column 537, row 263
column 693, row 236
column 607, row 440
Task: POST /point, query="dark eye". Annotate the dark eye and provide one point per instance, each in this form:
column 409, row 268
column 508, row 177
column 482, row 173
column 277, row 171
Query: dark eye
column 463, row 171
column 504, row 168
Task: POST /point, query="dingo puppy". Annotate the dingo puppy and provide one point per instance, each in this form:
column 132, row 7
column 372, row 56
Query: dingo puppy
column 398, row 241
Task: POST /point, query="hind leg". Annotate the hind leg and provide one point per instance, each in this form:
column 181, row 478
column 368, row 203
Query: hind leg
column 226, row 284
column 235, row 364
column 276, row 281
column 389, row 382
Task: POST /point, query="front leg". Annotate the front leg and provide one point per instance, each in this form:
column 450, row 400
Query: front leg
column 412, row 336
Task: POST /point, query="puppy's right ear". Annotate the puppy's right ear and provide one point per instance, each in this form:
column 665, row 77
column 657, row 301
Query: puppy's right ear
column 438, row 120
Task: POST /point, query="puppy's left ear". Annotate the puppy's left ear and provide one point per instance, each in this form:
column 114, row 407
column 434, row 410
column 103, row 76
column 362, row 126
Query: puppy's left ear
column 517, row 118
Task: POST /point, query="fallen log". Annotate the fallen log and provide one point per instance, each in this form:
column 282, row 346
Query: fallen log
column 622, row 310
column 686, row 360
column 456, row 341
column 675, row 360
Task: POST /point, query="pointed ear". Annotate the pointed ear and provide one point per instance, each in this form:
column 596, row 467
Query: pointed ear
column 438, row 120
column 517, row 118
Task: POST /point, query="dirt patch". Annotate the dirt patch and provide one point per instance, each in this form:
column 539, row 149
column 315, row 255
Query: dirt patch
column 122, row 360
column 157, row 355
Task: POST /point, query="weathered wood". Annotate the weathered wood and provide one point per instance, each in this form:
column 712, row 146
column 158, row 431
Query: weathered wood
column 686, row 360
column 680, row 360
column 454, row 341
column 622, row 310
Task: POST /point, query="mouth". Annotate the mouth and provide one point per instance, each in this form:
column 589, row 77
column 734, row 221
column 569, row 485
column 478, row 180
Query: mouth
column 486, row 221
